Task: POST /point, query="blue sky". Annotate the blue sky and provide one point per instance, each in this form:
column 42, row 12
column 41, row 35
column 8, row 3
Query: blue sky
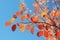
column 7, row 9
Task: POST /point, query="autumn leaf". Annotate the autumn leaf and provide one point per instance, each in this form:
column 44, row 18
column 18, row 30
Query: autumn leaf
column 40, row 33
column 36, row 10
column 40, row 26
column 32, row 30
column 28, row 27
column 7, row 23
column 46, row 34
column 13, row 27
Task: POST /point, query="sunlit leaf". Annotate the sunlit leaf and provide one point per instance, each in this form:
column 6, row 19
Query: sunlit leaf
column 7, row 23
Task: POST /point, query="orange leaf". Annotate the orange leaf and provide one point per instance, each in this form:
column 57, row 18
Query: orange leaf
column 20, row 25
column 36, row 10
column 22, row 5
column 57, row 14
column 40, row 33
column 22, row 29
column 7, row 23
column 58, row 34
column 41, row 10
column 28, row 15
column 46, row 34
column 34, row 19
column 18, row 13
column 22, row 18
column 28, row 27
column 32, row 30
column 40, row 26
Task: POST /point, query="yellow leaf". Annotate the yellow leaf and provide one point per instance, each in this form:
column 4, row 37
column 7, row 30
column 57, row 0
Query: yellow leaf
column 44, row 13
column 22, row 30
column 12, row 20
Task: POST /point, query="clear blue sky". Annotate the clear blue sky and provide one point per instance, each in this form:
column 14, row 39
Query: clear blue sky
column 7, row 9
